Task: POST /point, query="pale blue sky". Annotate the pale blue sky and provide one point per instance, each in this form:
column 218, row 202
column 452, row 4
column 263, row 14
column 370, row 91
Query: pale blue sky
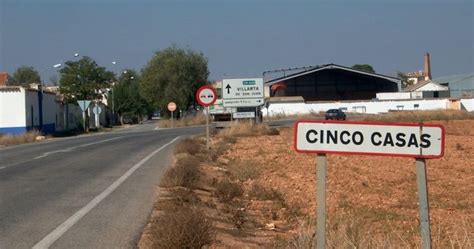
column 241, row 38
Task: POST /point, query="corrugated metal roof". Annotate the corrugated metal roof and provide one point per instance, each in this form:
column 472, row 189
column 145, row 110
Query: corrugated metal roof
column 458, row 83
column 331, row 66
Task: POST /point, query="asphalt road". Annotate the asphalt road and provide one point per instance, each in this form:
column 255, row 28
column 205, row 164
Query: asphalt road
column 83, row 192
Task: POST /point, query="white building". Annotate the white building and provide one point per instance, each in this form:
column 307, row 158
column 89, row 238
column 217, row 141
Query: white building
column 24, row 109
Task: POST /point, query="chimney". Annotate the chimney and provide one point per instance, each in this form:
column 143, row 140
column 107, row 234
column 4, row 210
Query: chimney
column 427, row 67
column 3, row 78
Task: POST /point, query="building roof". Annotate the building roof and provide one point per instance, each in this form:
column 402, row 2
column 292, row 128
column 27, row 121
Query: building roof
column 458, row 81
column 420, row 84
column 330, row 66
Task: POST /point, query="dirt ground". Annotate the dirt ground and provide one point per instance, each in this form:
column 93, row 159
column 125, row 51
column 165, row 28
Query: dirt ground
column 380, row 189
column 372, row 201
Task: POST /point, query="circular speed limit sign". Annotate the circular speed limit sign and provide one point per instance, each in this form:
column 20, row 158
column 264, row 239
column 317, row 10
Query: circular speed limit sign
column 206, row 96
column 171, row 106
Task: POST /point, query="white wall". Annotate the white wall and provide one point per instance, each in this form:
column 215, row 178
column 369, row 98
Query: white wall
column 371, row 107
column 12, row 108
column 468, row 104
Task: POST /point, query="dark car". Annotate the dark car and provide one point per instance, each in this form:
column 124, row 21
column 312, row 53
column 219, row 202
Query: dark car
column 337, row 114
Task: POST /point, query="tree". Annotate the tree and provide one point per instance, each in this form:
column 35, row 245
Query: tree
column 364, row 67
column 84, row 79
column 173, row 74
column 405, row 81
column 24, row 76
column 126, row 95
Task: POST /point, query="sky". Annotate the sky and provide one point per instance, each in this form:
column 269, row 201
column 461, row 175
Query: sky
column 240, row 38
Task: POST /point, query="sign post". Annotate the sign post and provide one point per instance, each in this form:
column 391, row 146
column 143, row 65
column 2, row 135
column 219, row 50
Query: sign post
column 424, row 204
column 172, row 108
column 321, row 201
column 419, row 141
column 206, row 96
column 97, row 110
column 84, row 104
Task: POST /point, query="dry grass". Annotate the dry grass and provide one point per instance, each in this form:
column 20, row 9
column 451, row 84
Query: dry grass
column 421, row 116
column 226, row 191
column 19, row 139
column 350, row 231
column 183, row 227
column 184, row 173
column 189, row 146
column 199, row 119
column 246, row 129
column 243, row 170
column 282, row 116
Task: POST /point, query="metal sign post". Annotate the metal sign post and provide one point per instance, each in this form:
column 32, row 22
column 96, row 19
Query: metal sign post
column 207, row 129
column 321, row 201
column 424, row 206
column 206, row 96
column 84, row 104
column 172, row 108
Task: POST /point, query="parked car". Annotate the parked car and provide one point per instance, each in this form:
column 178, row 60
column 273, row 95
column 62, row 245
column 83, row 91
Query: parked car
column 337, row 114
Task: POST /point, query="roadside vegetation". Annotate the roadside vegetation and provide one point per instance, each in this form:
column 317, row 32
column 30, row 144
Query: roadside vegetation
column 199, row 119
column 252, row 190
column 27, row 137
column 422, row 116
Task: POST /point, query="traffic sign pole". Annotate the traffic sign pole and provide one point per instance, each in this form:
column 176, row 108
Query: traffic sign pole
column 321, row 202
column 207, row 129
column 172, row 120
column 424, row 206
column 206, row 96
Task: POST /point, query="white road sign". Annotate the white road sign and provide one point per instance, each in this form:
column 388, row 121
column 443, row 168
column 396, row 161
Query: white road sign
column 238, row 115
column 250, row 89
column 242, row 88
column 370, row 138
column 84, row 104
column 242, row 102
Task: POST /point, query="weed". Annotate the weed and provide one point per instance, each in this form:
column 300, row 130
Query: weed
column 226, row 191
column 422, row 116
column 459, row 146
column 182, row 228
column 243, row 170
column 199, row 119
column 261, row 193
column 184, row 173
column 189, row 146
column 19, row 139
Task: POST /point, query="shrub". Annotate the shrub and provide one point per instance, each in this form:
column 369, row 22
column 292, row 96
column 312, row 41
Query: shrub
column 243, row 170
column 19, row 139
column 184, row 173
column 261, row 193
column 421, row 116
column 189, row 146
column 199, row 119
column 183, row 228
column 226, row 191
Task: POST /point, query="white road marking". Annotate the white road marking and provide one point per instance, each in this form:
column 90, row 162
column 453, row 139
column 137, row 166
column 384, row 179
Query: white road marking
column 47, row 241
column 2, row 167
column 75, row 147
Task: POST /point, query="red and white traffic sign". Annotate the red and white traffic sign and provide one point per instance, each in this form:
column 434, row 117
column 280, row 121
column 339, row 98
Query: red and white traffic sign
column 206, row 96
column 370, row 138
column 171, row 106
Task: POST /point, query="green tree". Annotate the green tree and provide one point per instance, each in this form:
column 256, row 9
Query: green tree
column 84, row 79
column 405, row 81
column 364, row 67
column 173, row 74
column 24, row 76
column 126, row 95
